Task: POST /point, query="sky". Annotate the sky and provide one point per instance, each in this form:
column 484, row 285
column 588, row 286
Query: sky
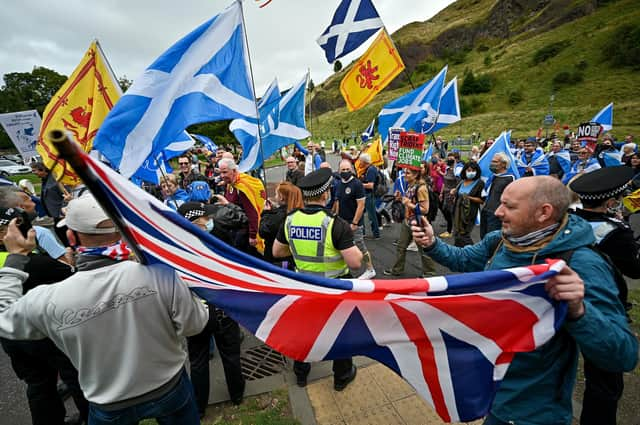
column 133, row 33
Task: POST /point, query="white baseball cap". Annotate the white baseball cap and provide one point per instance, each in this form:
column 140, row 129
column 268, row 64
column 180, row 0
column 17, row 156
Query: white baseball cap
column 84, row 214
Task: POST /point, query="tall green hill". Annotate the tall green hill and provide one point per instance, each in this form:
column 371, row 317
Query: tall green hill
column 586, row 53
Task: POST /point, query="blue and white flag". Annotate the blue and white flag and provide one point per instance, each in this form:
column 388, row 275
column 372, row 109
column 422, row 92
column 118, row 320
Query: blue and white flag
column 409, row 110
column 352, row 24
column 269, row 108
column 369, row 132
column 206, row 142
column 203, row 77
column 426, row 156
column 564, row 159
column 611, row 158
column 154, row 167
column 537, row 162
column 291, row 128
column 449, row 111
column 500, row 145
column 605, row 117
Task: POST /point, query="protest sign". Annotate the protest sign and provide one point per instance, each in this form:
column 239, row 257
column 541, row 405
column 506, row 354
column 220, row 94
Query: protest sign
column 589, row 131
column 394, row 143
column 410, row 150
column 23, row 128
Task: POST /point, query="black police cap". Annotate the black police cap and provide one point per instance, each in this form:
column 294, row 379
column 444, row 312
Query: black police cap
column 316, row 183
column 604, row 183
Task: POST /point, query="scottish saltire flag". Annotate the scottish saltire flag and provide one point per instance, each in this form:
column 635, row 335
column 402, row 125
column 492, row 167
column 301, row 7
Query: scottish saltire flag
column 269, row 108
column 354, row 22
column 538, row 163
column 410, row 110
column 291, row 127
column 153, row 168
column 203, row 77
column 581, row 167
column 605, row 117
column 440, row 334
column 369, row 131
column 426, row 156
column 564, row 159
column 500, row 145
column 206, row 142
column 449, row 110
column 612, row 158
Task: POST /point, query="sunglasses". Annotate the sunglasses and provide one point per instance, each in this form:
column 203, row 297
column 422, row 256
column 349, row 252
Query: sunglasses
column 183, row 163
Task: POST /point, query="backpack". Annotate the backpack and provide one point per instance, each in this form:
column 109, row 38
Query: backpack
column 380, row 186
column 397, row 211
column 199, row 191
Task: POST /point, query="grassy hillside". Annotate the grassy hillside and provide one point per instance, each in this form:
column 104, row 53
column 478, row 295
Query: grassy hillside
column 521, row 88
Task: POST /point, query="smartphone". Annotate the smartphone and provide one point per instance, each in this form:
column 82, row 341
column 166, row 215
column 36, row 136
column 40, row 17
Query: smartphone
column 23, row 222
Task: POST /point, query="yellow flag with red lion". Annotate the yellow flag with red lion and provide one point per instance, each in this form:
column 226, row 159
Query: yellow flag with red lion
column 372, row 72
column 80, row 106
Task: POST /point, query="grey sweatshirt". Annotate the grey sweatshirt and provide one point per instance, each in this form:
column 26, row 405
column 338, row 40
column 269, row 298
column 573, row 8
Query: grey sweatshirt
column 121, row 325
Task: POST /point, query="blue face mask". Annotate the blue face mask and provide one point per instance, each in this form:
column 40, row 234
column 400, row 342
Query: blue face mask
column 209, row 225
column 471, row 175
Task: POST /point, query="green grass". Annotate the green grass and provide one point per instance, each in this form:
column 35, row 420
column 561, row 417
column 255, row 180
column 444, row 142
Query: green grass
column 512, row 70
column 266, row 409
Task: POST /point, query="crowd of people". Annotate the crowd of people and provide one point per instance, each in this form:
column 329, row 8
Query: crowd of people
column 62, row 289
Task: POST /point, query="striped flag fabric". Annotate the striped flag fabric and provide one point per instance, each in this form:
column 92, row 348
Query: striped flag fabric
column 605, row 117
column 440, row 333
column 353, row 23
column 449, row 110
column 153, row 168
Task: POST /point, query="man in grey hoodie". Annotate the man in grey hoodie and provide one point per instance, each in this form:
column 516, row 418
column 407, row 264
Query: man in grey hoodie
column 120, row 322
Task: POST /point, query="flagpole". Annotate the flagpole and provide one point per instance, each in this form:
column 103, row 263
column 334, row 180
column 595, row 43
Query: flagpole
column 106, row 61
column 384, row 28
column 263, row 177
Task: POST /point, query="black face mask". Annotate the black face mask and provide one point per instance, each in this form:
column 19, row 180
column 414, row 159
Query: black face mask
column 450, row 162
column 344, row 175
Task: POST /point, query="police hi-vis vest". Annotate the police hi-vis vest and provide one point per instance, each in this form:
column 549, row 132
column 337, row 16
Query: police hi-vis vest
column 310, row 242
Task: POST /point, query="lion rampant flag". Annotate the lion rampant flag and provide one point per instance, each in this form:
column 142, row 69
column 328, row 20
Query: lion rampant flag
column 375, row 150
column 372, row 72
column 80, row 106
column 632, row 202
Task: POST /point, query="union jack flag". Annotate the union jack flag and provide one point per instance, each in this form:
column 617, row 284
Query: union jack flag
column 452, row 337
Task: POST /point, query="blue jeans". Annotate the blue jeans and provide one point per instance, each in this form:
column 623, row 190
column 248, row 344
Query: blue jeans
column 176, row 407
column 370, row 207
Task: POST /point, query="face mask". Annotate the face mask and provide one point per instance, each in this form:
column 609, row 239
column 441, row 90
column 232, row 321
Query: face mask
column 209, row 225
column 493, row 168
column 450, row 162
column 344, row 175
column 615, row 209
column 471, row 174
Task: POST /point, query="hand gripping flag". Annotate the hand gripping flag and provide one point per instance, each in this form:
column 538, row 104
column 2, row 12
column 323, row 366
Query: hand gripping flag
column 605, row 117
column 371, row 73
column 79, row 106
column 409, row 110
column 449, row 110
column 538, row 163
column 440, row 334
column 289, row 127
column 203, row 77
column 352, row 24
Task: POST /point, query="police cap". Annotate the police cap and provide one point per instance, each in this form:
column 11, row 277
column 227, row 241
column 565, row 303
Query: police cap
column 602, row 184
column 316, row 183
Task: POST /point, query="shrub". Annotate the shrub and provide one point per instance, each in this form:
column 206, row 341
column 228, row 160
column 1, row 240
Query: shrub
column 515, row 96
column 566, row 78
column 549, row 51
column 487, row 60
column 426, row 68
column 472, row 84
column 623, row 46
column 471, row 105
column 455, row 56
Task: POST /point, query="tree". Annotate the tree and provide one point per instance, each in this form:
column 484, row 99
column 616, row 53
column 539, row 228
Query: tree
column 337, row 66
column 124, row 83
column 28, row 90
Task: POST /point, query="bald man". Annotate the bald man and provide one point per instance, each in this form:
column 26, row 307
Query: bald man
column 538, row 385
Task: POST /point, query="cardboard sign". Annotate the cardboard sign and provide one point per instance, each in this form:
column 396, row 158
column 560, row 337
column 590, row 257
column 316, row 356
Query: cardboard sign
column 410, row 150
column 589, row 131
column 394, row 143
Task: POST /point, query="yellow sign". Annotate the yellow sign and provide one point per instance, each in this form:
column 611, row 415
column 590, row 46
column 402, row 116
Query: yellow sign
column 80, row 106
column 375, row 151
column 371, row 73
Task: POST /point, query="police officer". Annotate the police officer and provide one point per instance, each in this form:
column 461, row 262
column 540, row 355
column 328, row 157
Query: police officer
column 601, row 194
column 322, row 245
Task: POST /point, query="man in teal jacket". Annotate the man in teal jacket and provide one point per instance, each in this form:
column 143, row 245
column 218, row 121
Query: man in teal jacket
column 537, row 388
